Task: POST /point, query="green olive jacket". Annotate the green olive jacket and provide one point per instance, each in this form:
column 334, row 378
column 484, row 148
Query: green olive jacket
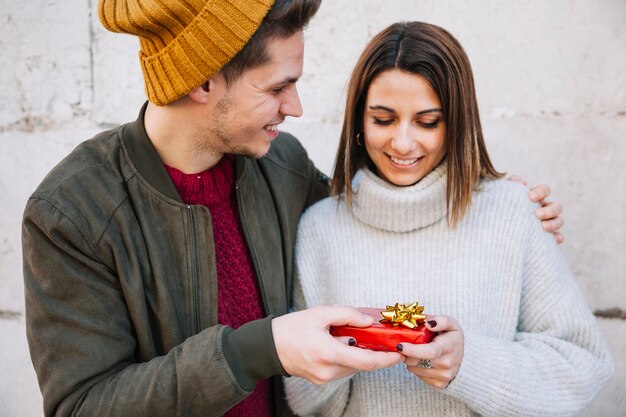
column 121, row 283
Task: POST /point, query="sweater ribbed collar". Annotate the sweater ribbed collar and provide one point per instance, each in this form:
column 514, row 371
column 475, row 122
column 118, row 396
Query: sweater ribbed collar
column 208, row 188
column 400, row 209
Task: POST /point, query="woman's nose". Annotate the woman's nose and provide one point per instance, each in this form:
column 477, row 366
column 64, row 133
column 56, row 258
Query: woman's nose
column 404, row 140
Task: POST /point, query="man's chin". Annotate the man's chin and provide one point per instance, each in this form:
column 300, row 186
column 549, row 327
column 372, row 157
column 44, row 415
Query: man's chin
column 257, row 153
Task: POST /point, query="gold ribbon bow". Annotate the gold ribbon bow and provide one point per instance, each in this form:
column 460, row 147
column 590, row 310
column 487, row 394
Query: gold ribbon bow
column 406, row 315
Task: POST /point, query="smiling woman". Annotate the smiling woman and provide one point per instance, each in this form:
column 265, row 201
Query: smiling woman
column 403, row 127
column 419, row 213
column 439, row 76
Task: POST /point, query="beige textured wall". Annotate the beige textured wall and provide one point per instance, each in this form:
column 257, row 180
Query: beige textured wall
column 551, row 80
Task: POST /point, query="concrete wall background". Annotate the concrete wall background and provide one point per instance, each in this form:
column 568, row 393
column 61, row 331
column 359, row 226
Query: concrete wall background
column 551, row 81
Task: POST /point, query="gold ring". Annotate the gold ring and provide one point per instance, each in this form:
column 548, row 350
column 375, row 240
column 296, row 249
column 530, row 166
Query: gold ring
column 424, row 363
column 443, row 348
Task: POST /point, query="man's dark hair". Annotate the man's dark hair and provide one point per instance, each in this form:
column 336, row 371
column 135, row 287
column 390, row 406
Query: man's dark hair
column 285, row 18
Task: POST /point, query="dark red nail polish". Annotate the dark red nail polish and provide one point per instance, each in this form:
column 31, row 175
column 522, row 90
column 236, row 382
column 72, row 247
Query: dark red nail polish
column 352, row 341
column 432, row 323
column 400, row 347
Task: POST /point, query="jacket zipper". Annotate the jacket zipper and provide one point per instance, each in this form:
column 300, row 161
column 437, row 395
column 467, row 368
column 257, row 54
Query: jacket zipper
column 244, row 226
column 195, row 271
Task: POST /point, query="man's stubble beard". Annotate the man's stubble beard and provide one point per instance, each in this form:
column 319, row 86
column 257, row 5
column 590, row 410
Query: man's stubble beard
column 224, row 141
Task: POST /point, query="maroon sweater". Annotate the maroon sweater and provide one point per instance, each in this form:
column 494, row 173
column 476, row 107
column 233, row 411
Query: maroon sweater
column 239, row 297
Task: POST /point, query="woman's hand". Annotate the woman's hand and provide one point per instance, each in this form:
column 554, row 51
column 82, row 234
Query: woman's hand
column 436, row 363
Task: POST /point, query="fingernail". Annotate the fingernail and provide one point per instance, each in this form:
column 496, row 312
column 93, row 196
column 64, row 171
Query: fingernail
column 368, row 318
column 400, row 347
column 432, row 323
column 541, row 212
column 352, row 341
column 534, row 195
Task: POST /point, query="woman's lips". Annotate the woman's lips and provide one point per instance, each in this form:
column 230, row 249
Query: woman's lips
column 405, row 162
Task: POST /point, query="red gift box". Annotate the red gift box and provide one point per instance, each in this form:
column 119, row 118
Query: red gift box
column 383, row 336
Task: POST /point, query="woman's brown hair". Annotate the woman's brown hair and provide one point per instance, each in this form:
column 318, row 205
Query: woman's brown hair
column 433, row 53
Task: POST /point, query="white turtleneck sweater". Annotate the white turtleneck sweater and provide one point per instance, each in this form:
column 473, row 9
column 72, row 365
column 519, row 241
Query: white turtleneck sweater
column 532, row 346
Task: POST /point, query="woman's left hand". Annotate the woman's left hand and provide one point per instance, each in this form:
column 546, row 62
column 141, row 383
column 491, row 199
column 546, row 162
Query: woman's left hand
column 436, row 363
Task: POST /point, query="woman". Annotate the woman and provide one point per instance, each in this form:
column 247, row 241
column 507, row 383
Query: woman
column 420, row 213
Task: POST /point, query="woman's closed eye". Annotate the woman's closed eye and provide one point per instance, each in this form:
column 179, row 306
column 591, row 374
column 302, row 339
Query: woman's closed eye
column 383, row 122
column 425, row 124
column 430, row 125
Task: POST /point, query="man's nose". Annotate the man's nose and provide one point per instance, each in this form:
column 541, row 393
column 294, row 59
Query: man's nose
column 292, row 105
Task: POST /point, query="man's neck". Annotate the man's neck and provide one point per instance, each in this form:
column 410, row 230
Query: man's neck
column 178, row 139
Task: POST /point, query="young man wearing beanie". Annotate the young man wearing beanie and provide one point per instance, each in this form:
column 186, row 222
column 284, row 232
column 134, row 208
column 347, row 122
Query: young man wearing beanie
column 158, row 255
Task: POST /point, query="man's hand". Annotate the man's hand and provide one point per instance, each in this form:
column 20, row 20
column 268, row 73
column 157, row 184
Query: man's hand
column 549, row 212
column 306, row 349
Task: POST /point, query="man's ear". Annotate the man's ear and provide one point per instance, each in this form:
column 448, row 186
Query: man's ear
column 212, row 89
column 201, row 93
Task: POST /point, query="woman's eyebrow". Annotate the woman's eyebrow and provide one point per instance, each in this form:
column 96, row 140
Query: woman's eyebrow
column 435, row 110
column 379, row 107
column 390, row 110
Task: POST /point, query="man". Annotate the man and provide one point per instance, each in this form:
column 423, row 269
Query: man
column 158, row 255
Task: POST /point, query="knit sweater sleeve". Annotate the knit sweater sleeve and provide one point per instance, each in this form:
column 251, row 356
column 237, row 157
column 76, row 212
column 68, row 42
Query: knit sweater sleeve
column 304, row 397
column 557, row 360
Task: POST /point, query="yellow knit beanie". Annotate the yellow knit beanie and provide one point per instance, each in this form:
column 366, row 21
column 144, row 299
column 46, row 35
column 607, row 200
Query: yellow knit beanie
column 183, row 42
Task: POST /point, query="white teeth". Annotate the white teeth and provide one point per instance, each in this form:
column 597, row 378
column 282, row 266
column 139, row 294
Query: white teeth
column 273, row 128
column 403, row 161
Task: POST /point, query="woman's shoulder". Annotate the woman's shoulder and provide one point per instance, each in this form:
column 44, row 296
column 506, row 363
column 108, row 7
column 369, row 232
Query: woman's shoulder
column 504, row 197
column 503, row 188
column 320, row 224
column 326, row 210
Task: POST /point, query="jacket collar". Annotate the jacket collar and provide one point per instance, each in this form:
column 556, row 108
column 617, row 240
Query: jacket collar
column 147, row 161
column 145, row 157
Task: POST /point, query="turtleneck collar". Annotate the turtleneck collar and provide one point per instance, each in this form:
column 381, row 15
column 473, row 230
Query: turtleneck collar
column 400, row 209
